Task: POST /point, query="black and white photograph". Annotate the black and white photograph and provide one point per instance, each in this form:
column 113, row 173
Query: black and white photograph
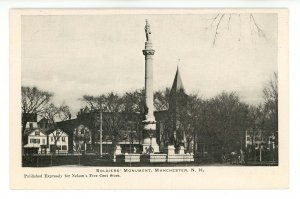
column 150, row 91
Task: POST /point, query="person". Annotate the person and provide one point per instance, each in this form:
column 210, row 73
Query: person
column 233, row 157
column 224, row 159
column 149, row 150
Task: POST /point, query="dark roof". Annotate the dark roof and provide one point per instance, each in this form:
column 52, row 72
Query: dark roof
column 49, row 131
column 30, row 117
column 43, row 120
column 68, row 126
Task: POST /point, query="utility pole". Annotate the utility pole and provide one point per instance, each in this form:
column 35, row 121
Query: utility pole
column 260, row 146
column 100, row 144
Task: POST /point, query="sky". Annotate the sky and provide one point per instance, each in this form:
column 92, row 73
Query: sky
column 71, row 56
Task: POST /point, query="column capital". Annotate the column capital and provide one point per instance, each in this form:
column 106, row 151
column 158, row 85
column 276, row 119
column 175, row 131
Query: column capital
column 148, row 52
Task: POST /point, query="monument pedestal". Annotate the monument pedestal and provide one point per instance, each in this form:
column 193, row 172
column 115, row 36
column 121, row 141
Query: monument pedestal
column 149, row 142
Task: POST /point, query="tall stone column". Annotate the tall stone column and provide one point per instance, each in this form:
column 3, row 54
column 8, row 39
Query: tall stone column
column 149, row 140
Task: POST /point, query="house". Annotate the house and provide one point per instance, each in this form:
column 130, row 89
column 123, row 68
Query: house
column 36, row 142
column 258, row 140
column 34, row 139
column 31, row 119
column 58, row 141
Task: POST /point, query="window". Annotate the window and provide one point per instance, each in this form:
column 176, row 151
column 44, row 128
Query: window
column 37, row 133
column 31, row 125
column 63, row 139
column 57, row 133
column 51, row 139
column 64, row 147
column 44, row 141
column 58, row 147
column 35, row 141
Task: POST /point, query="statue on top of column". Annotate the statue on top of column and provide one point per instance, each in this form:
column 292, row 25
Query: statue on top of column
column 147, row 30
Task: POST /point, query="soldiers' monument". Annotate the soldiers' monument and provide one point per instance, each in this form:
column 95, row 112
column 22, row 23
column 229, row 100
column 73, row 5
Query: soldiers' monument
column 151, row 152
column 149, row 141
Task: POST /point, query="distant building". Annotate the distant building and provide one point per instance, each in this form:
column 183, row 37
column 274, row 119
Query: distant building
column 90, row 120
column 258, row 140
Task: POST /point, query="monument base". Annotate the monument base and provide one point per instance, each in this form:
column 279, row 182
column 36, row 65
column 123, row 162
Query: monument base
column 150, row 146
column 180, row 158
column 154, row 158
column 128, row 158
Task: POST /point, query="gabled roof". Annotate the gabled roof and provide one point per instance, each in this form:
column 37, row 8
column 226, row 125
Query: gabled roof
column 49, row 132
column 177, row 83
column 29, row 131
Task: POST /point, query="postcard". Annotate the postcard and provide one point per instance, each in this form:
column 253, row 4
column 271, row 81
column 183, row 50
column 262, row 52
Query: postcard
column 149, row 99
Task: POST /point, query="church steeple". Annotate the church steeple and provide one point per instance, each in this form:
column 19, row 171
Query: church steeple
column 177, row 106
column 177, row 83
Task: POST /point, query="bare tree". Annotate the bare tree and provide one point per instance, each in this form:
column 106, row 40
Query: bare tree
column 119, row 109
column 271, row 107
column 54, row 114
column 112, row 104
column 162, row 99
column 190, row 119
column 227, row 121
column 94, row 102
column 134, row 102
column 222, row 22
column 264, row 117
column 34, row 101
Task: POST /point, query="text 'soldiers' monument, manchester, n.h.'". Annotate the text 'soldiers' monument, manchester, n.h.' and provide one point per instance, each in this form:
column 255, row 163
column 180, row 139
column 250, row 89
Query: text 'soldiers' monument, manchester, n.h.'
column 149, row 140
